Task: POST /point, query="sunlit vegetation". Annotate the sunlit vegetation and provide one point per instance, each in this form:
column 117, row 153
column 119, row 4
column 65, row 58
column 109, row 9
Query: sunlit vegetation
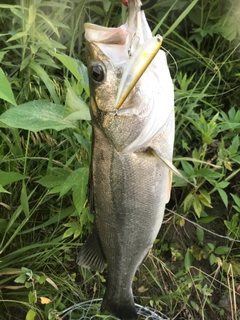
column 45, row 149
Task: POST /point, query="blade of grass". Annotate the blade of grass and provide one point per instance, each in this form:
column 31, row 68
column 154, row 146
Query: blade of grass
column 45, row 78
column 180, row 18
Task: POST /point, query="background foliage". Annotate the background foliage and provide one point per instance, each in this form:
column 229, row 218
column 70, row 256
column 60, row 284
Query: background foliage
column 45, row 147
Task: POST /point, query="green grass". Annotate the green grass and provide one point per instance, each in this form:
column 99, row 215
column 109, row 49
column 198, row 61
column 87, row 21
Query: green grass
column 44, row 215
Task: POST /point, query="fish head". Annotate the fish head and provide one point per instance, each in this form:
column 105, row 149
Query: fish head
column 147, row 107
column 106, row 55
column 109, row 50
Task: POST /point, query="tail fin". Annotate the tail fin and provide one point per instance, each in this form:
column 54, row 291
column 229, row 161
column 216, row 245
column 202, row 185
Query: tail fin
column 123, row 309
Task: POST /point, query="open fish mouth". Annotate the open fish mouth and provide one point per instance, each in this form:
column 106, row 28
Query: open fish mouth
column 136, row 66
column 132, row 42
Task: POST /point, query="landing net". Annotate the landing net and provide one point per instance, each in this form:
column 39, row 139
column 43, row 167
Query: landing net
column 90, row 310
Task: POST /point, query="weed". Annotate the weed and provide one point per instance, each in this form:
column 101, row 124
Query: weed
column 45, row 152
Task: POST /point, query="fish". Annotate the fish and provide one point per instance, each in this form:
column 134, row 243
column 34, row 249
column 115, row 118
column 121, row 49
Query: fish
column 132, row 149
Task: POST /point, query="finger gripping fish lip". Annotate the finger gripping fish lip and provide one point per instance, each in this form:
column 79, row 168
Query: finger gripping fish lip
column 125, row 2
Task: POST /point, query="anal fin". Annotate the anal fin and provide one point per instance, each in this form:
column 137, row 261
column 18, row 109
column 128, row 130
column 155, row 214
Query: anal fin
column 91, row 255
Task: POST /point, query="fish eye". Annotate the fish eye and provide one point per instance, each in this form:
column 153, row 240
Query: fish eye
column 97, row 72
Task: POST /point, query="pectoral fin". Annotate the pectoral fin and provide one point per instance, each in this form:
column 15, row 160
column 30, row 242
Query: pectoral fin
column 91, row 255
column 168, row 195
column 169, row 164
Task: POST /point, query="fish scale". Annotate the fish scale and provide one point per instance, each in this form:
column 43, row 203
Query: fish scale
column 129, row 185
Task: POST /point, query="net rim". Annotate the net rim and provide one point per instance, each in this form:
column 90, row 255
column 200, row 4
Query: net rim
column 154, row 314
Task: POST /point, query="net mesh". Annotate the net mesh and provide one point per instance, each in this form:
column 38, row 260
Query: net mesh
column 90, row 310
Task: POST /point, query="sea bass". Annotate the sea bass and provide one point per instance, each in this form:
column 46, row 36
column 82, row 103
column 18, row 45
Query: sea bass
column 131, row 157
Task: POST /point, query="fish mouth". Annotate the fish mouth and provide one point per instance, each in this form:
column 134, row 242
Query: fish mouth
column 131, row 43
column 142, row 49
column 136, row 66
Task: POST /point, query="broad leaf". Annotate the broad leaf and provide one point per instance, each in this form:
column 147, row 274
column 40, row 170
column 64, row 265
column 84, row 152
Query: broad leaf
column 9, row 177
column 5, row 89
column 36, row 116
column 80, row 190
column 76, row 108
column 3, row 190
column 45, row 78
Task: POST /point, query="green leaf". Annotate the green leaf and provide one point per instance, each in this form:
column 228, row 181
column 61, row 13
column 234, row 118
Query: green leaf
column 200, row 234
column 211, row 246
column 31, row 17
column 36, row 116
column 18, row 36
column 83, row 70
column 188, row 201
column 76, row 108
column 208, row 174
column 206, row 195
column 188, row 168
column 212, row 259
column 10, row 177
column 223, row 196
column 60, row 215
column 2, row 55
column 3, row 190
column 205, row 198
column 21, row 279
column 24, row 200
column 181, row 17
column 232, row 268
column 70, row 63
column 235, row 198
column 77, row 233
column 68, row 233
column 234, row 146
column 32, row 297
column 82, row 141
column 188, row 259
column 222, row 184
column 106, row 5
column 42, row 279
column 26, row 270
column 75, row 229
column 51, row 181
column 221, row 250
column 5, row 89
column 207, row 219
column 80, row 190
column 48, row 21
column 197, row 207
column 86, row 216
column 73, row 179
column 45, row 78
column 31, row 315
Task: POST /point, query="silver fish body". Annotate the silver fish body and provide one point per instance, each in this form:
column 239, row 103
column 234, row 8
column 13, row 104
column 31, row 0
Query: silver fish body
column 130, row 186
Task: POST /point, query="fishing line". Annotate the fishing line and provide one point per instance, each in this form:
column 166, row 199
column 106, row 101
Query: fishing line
column 201, row 227
column 174, row 61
